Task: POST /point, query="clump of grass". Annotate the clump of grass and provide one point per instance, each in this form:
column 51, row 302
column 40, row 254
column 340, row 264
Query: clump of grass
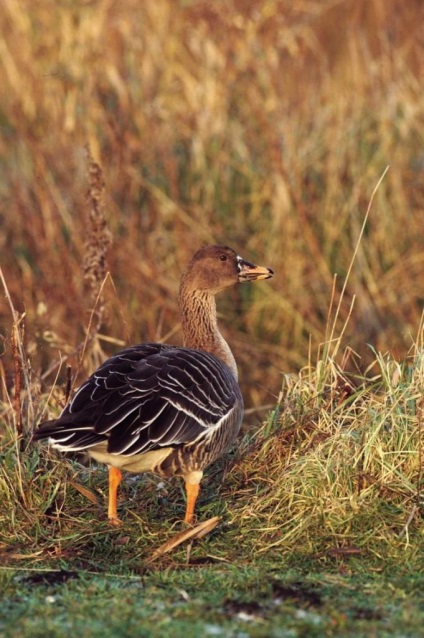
column 340, row 467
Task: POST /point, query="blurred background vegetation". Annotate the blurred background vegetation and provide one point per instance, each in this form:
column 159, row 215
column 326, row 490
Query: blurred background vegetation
column 264, row 125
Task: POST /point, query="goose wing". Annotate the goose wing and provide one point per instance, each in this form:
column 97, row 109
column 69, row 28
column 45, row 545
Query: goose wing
column 146, row 397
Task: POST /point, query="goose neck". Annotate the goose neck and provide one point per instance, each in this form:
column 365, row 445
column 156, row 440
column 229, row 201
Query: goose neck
column 200, row 326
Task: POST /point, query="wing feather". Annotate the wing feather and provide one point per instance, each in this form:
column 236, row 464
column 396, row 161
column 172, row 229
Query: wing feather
column 146, row 397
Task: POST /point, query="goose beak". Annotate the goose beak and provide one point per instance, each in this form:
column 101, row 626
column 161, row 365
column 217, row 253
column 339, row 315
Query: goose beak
column 250, row 272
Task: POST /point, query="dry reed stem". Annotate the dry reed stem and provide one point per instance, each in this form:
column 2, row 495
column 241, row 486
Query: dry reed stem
column 16, row 338
column 94, row 264
column 18, row 358
column 349, row 270
column 99, row 238
column 68, row 388
column 92, row 327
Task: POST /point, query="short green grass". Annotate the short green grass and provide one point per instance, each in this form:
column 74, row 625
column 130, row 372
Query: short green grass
column 269, row 599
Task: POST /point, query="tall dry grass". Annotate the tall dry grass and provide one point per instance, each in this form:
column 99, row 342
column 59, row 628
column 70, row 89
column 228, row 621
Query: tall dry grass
column 263, row 126
column 256, row 124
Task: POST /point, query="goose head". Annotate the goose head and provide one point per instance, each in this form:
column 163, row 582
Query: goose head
column 214, row 268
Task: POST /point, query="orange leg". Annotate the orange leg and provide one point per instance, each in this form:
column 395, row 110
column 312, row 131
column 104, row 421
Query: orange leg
column 192, row 490
column 115, row 477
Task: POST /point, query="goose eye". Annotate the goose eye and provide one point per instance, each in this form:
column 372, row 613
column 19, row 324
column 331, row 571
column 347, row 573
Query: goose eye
column 223, row 257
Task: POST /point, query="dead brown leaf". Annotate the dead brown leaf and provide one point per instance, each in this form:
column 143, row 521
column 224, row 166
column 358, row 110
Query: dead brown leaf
column 199, row 531
column 85, row 492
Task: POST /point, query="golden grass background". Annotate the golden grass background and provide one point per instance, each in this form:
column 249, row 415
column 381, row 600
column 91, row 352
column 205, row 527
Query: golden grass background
column 263, row 125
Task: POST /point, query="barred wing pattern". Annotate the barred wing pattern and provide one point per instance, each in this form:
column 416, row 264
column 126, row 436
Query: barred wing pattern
column 147, row 397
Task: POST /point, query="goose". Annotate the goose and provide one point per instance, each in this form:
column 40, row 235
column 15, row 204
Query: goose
column 161, row 408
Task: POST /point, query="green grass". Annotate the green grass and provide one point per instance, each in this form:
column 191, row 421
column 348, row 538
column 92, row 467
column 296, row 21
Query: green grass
column 218, row 600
